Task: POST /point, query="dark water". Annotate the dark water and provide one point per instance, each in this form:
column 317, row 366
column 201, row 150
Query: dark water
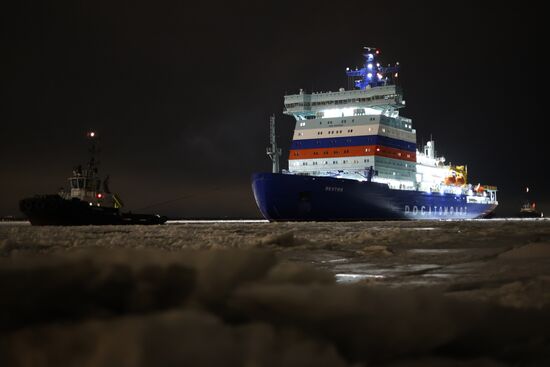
column 277, row 294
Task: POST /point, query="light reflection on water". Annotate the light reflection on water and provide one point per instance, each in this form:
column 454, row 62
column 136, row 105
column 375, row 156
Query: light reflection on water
column 352, row 278
column 342, row 260
column 429, row 251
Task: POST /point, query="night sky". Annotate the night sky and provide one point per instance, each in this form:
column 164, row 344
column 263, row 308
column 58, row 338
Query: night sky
column 181, row 92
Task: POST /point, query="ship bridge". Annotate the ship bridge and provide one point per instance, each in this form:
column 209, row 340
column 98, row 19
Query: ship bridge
column 344, row 102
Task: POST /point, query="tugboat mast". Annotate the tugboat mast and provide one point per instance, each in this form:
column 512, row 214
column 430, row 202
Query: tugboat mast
column 84, row 182
column 93, row 150
column 273, row 152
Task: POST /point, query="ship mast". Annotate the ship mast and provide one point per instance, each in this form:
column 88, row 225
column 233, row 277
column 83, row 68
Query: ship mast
column 273, row 152
column 84, row 182
column 93, row 150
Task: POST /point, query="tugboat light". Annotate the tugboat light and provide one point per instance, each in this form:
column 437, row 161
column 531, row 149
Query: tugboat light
column 99, row 195
column 91, row 134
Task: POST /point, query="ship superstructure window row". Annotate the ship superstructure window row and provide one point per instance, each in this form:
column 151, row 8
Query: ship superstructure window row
column 364, row 121
column 341, row 101
column 363, row 140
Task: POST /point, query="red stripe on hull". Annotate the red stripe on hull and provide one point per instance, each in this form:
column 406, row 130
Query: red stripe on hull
column 364, row 150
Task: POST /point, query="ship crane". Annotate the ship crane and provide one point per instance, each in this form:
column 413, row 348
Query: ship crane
column 273, row 151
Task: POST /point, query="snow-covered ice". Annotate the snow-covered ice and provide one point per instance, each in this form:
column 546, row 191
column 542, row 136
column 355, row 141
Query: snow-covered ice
column 247, row 293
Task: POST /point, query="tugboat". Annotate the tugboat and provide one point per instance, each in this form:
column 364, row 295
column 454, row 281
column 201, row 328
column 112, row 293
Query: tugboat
column 85, row 203
column 529, row 209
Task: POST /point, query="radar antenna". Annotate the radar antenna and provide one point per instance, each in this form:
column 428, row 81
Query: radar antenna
column 272, row 151
column 372, row 74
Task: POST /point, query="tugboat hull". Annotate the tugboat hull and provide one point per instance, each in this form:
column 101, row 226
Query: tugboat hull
column 53, row 210
column 529, row 214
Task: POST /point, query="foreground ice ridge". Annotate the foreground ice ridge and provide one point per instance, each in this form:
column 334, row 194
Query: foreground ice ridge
column 243, row 308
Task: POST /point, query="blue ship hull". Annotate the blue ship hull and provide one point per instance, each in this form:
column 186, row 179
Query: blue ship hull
column 285, row 197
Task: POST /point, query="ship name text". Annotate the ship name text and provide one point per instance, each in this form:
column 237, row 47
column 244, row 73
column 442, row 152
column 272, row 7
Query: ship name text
column 436, row 210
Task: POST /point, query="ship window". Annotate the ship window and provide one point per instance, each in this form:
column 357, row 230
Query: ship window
column 80, row 183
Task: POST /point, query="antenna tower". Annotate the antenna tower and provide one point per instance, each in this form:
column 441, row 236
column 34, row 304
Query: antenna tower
column 272, row 151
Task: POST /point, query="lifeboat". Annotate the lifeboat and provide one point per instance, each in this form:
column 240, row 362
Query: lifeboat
column 479, row 189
